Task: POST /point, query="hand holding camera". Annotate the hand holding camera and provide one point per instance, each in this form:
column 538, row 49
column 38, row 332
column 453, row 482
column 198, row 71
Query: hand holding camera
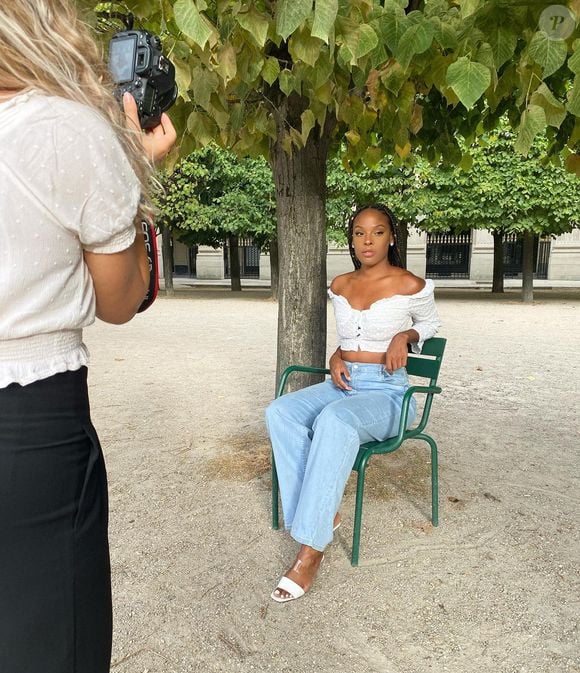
column 158, row 140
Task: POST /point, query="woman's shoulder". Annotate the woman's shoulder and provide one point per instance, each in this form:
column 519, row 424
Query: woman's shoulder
column 409, row 283
column 338, row 284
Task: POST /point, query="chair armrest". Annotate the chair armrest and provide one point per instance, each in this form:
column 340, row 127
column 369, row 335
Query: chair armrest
column 429, row 391
column 298, row 368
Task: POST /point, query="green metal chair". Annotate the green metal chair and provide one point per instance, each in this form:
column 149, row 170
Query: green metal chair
column 426, row 367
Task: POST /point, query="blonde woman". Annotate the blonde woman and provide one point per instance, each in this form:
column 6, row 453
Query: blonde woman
column 73, row 184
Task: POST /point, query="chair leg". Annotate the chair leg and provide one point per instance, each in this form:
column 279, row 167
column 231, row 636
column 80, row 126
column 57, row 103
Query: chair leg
column 360, row 486
column 275, row 521
column 434, row 479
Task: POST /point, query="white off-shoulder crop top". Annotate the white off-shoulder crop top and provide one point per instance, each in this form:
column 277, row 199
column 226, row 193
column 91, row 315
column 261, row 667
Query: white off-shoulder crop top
column 372, row 329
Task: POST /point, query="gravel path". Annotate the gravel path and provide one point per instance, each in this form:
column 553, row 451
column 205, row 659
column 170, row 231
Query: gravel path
column 178, row 397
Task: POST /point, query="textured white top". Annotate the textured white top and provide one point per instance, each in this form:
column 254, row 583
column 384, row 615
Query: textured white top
column 372, row 329
column 65, row 185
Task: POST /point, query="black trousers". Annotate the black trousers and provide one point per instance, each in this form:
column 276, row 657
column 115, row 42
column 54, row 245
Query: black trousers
column 55, row 585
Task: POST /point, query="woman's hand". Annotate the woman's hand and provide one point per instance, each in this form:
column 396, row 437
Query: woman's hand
column 338, row 369
column 157, row 141
column 396, row 355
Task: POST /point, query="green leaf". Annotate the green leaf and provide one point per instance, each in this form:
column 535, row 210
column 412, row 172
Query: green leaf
column 271, row 70
column 468, row 80
column 325, row 12
column 308, row 121
column 415, row 40
column 360, row 39
column 503, row 42
column 237, row 116
column 533, row 121
column 554, row 109
column 550, row 54
column 255, row 23
column 201, row 127
column 182, row 77
column 574, row 60
column 226, row 60
column 191, row 22
column 205, row 82
column 290, row 14
column 574, row 98
column 288, row 82
column 469, row 7
column 394, row 24
column 303, row 47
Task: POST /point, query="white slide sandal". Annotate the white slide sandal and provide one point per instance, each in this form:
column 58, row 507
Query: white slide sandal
column 288, row 585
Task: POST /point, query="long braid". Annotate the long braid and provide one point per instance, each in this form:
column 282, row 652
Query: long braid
column 394, row 256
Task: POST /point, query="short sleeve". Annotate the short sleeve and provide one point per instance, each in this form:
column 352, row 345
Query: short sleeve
column 424, row 316
column 100, row 191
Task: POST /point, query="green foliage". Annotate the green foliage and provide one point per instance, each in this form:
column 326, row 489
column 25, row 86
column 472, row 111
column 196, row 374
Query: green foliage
column 212, row 193
column 394, row 81
column 502, row 191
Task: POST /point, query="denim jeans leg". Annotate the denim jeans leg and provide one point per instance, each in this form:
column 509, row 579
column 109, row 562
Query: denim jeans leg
column 289, row 419
column 338, row 432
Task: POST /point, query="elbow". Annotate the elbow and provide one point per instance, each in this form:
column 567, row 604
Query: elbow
column 121, row 312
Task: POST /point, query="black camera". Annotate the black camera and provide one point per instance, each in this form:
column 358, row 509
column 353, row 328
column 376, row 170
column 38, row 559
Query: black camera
column 137, row 64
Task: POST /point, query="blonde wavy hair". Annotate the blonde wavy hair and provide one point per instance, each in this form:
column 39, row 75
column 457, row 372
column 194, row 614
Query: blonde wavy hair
column 45, row 46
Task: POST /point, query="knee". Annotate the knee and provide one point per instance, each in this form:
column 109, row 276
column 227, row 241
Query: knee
column 334, row 415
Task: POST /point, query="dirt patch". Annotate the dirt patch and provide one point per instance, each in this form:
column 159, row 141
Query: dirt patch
column 407, row 470
column 248, row 458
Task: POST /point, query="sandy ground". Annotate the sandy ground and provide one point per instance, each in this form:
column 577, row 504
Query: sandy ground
column 178, row 397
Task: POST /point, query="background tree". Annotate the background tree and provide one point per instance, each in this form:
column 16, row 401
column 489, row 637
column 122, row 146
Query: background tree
column 213, row 197
column 288, row 79
column 506, row 193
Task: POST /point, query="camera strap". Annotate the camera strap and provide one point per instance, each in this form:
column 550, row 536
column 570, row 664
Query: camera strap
column 151, row 247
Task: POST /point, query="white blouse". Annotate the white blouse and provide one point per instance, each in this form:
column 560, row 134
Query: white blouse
column 65, row 186
column 372, row 329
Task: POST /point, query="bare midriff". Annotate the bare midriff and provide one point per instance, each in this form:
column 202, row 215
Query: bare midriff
column 367, row 357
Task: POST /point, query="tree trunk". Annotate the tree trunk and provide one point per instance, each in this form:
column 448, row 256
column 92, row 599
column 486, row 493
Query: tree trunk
column 528, row 268
column 300, row 180
column 497, row 285
column 167, row 255
column 233, row 251
column 402, row 240
column 274, row 268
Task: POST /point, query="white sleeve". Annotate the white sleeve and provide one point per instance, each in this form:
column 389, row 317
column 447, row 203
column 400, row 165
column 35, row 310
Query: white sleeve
column 102, row 189
column 424, row 316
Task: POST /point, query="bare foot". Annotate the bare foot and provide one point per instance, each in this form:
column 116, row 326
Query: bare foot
column 303, row 571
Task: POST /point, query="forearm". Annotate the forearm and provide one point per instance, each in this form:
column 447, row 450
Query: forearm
column 337, row 354
column 409, row 336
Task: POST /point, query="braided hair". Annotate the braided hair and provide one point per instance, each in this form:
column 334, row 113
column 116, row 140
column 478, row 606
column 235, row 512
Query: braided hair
column 394, row 256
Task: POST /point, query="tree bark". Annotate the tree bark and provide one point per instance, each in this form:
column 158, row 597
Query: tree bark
column 528, row 268
column 497, row 285
column 167, row 256
column 235, row 276
column 300, row 180
column 274, row 268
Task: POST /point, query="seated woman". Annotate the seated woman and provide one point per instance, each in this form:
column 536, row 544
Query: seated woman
column 316, row 432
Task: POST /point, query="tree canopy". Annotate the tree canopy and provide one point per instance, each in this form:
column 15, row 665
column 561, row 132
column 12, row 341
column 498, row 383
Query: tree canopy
column 212, row 193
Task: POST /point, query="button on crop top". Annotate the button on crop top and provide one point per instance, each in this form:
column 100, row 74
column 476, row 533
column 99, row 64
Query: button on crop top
column 372, row 329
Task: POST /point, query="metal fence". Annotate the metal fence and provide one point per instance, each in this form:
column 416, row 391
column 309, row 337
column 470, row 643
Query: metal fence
column 249, row 256
column 448, row 255
column 513, row 254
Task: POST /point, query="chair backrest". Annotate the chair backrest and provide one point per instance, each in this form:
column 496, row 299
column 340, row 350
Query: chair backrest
column 428, row 363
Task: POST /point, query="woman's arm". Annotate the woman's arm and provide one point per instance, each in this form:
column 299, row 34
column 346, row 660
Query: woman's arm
column 120, row 281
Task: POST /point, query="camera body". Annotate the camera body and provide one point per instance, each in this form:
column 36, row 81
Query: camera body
column 137, row 64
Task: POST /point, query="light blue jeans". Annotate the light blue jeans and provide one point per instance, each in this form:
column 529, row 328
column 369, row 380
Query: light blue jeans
column 316, row 433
